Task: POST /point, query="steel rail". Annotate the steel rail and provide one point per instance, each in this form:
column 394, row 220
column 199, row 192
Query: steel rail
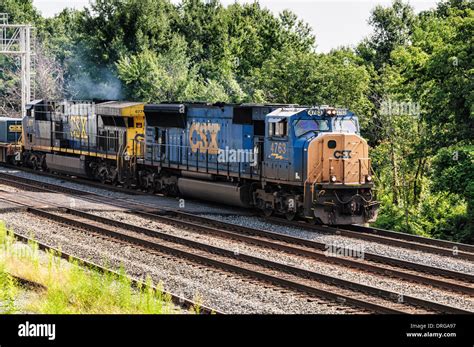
column 241, row 233
column 449, row 252
column 436, row 246
column 409, row 237
column 372, row 291
column 285, row 268
column 309, row 253
column 176, row 299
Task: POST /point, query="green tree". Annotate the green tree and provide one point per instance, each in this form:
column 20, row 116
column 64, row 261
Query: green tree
column 452, row 172
column 338, row 78
column 158, row 77
column 392, row 27
column 20, row 11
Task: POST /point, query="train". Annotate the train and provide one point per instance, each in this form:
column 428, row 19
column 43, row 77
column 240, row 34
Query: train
column 10, row 135
column 305, row 162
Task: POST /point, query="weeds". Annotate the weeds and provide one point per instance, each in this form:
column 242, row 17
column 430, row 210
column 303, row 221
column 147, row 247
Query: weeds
column 71, row 288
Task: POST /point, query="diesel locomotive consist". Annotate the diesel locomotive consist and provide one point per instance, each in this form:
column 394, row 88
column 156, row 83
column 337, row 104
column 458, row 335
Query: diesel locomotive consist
column 297, row 161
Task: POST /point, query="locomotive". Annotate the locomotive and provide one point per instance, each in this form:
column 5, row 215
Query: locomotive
column 297, row 161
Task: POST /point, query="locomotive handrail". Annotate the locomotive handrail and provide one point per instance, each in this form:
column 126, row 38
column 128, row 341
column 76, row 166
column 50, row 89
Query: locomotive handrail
column 202, row 160
column 309, row 188
column 312, row 173
column 360, row 167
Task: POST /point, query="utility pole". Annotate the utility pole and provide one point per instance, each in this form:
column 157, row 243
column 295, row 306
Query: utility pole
column 16, row 39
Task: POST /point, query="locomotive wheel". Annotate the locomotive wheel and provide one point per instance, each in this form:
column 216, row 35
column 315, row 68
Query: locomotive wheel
column 290, row 216
column 35, row 163
column 102, row 177
column 150, row 189
column 267, row 212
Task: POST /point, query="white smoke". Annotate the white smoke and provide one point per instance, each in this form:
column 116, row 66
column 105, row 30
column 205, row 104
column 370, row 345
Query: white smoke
column 104, row 85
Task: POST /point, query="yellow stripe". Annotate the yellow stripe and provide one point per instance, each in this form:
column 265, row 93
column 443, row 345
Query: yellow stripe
column 75, row 151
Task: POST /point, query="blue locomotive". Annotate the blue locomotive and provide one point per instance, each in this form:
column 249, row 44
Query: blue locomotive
column 297, row 161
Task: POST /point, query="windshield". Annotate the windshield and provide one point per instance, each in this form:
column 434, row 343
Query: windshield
column 302, row 126
column 348, row 125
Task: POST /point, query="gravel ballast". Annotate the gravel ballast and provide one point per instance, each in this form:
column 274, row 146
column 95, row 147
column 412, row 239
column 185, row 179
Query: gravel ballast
column 383, row 282
column 224, row 214
column 225, row 292
column 428, row 259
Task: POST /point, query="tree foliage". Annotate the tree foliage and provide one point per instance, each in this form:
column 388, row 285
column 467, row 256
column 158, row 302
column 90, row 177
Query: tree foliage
column 411, row 82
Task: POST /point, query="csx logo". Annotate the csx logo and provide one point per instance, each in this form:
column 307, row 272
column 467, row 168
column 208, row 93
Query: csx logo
column 78, row 127
column 14, row 128
column 342, row 154
column 203, row 136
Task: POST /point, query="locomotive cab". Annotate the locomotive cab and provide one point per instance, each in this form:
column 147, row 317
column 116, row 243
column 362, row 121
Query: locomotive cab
column 277, row 149
column 320, row 165
column 339, row 185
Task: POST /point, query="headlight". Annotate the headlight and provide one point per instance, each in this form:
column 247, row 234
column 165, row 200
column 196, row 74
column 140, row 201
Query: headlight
column 368, row 178
column 333, row 179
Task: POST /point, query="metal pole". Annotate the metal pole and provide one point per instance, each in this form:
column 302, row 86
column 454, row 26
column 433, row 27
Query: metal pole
column 23, row 72
column 27, row 69
column 16, row 40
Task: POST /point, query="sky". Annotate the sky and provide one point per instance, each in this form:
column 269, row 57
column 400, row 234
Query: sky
column 335, row 22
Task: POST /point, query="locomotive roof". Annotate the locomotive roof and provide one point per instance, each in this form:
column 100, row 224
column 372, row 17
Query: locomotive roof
column 116, row 108
column 119, row 104
column 6, row 119
column 286, row 112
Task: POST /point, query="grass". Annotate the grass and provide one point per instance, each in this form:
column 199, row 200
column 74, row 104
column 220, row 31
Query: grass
column 71, row 289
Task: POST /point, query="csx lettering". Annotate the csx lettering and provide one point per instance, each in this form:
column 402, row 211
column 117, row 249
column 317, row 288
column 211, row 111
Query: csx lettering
column 15, row 128
column 345, row 154
column 206, row 137
column 78, row 127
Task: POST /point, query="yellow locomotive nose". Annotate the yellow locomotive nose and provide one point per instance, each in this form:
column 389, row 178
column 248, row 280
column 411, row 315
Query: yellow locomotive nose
column 337, row 158
column 338, row 189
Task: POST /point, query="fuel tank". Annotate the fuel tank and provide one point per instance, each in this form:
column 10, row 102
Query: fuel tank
column 221, row 192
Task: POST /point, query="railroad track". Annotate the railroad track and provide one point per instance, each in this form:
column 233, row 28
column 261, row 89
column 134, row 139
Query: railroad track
column 178, row 300
column 27, row 283
column 88, row 182
column 434, row 246
column 455, row 246
column 392, row 238
column 78, row 180
column 451, row 280
column 382, row 265
column 297, row 279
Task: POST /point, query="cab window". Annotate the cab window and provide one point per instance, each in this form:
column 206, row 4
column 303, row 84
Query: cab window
column 303, row 126
column 278, row 128
column 346, row 125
